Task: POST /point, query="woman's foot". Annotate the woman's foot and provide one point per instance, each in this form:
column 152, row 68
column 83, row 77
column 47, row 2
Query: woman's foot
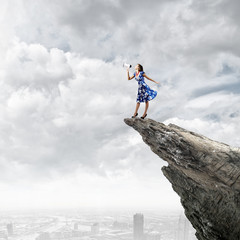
column 143, row 116
column 134, row 115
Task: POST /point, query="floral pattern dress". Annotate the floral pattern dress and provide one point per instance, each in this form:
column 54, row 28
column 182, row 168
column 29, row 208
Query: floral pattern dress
column 145, row 93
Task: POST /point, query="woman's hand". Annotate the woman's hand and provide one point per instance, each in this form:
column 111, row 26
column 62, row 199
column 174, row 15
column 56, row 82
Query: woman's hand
column 157, row 82
column 129, row 78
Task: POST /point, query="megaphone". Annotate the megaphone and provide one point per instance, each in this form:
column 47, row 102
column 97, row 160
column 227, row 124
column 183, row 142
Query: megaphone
column 126, row 65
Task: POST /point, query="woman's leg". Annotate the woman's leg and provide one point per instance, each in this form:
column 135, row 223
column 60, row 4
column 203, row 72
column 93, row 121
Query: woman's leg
column 146, row 108
column 137, row 107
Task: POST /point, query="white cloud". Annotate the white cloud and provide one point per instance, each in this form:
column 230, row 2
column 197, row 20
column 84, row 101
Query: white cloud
column 64, row 93
column 217, row 130
column 62, row 115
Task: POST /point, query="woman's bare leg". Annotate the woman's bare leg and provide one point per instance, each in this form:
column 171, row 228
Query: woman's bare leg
column 146, row 108
column 137, row 107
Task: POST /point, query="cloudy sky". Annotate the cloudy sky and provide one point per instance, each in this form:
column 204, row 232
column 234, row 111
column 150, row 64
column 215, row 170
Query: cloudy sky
column 64, row 95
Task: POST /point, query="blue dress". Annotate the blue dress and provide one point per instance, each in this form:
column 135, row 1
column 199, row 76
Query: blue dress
column 145, row 93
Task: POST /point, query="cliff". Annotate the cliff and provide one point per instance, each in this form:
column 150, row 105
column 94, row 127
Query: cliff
column 204, row 173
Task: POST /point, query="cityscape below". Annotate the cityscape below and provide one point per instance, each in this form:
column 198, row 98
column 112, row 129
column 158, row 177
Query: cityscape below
column 95, row 225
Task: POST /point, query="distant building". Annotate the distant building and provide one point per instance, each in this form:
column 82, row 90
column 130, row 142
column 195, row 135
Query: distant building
column 75, row 226
column 183, row 228
column 10, row 229
column 120, row 225
column 95, row 228
column 138, row 226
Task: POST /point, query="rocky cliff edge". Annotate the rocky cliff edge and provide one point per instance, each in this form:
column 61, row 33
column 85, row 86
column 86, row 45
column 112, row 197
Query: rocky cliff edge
column 204, row 173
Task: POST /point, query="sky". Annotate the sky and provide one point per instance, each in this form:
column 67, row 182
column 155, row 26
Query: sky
column 64, row 95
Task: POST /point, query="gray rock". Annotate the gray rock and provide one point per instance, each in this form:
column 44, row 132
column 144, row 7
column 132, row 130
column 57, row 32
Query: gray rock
column 204, row 173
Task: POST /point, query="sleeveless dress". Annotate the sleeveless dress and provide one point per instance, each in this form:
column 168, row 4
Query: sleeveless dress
column 145, row 93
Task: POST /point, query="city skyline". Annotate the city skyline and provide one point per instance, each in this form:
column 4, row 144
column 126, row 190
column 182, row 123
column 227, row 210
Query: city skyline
column 85, row 225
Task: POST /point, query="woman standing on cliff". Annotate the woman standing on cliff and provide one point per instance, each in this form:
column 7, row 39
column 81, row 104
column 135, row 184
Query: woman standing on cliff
column 145, row 93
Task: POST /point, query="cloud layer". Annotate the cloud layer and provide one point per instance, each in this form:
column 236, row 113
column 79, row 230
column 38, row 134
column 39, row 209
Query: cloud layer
column 64, row 94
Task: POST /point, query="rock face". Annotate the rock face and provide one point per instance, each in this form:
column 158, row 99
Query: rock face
column 204, row 173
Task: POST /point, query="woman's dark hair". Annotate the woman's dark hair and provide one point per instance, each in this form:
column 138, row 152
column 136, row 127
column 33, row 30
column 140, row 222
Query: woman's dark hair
column 140, row 67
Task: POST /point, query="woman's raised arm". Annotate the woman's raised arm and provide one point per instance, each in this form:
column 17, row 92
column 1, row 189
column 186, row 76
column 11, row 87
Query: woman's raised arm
column 129, row 78
column 144, row 75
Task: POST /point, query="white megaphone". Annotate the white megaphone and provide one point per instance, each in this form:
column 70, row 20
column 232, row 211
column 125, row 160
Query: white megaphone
column 126, row 65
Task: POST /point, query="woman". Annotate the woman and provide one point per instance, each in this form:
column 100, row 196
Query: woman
column 145, row 93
